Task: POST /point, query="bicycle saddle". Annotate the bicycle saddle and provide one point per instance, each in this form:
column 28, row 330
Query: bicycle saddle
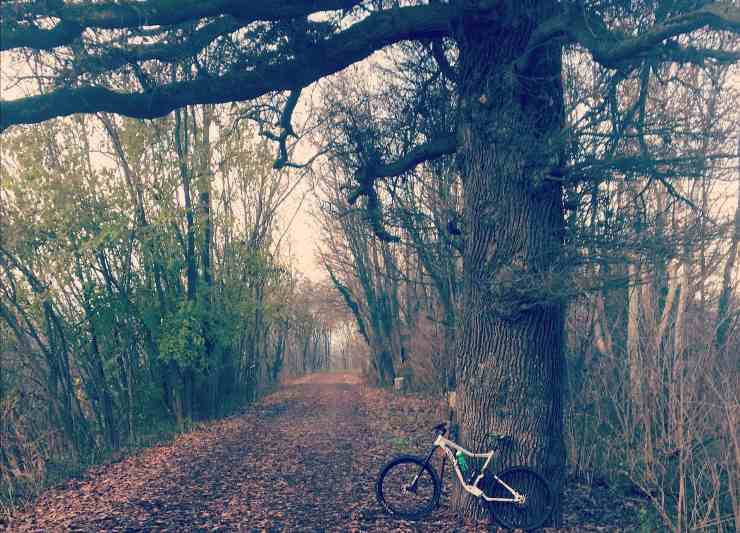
column 440, row 428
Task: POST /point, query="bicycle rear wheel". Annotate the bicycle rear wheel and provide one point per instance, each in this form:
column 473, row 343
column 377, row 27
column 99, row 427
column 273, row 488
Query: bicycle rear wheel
column 408, row 488
column 536, row 508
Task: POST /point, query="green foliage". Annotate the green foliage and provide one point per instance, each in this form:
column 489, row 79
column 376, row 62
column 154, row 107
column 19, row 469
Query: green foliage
column 649, row 520
column 181, row 338
column 94, row 278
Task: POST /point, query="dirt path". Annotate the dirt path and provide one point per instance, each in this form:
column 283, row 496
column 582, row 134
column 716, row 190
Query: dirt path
column 301, row 460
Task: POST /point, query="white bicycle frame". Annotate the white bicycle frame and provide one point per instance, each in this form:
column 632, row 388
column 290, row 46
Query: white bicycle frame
column 448, row 446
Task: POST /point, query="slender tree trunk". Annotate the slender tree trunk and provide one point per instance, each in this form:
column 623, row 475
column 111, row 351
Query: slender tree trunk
column 130, row 394
column 184, row 391
column 208, row 398
column 111, row 429
column 100, row 383
column 510, row 356
column 677, row 399
column 634, row 355
column 723, row 307
column 448, row 345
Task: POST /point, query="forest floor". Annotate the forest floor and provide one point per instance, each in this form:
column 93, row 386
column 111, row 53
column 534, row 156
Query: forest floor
column 303, row 459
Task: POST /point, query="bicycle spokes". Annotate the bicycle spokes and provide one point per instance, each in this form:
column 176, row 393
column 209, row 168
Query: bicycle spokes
column 409, row 487
column 406, row 488
column 517, row 497
column 521, row 498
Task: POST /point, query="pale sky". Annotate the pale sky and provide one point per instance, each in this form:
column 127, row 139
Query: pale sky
column 303, row 235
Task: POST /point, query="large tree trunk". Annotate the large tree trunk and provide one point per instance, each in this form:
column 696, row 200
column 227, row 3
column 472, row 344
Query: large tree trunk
column 510, row 358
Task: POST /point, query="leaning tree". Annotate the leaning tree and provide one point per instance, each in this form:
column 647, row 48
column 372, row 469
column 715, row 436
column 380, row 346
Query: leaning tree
column 145, row 59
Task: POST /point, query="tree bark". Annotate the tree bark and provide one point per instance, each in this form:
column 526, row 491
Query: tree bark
column 510, row 356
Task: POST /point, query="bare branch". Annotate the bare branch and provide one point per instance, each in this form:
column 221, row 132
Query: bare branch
column 425, row 152
column 115, row 57
column 367, row 176
column 613, row 50
column 687, row 166
column 286, row 128
column 19, row 32
column 310, row 64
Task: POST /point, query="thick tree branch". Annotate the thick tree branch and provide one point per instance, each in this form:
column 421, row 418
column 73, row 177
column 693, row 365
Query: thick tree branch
column 114, row 57
column 370, row 173
column 18, row 31
column 697, row 56
column 286, row 128
column 325, row 57
column 425, row 152
column 308, row 65
column 28, row 35
column 614, row 49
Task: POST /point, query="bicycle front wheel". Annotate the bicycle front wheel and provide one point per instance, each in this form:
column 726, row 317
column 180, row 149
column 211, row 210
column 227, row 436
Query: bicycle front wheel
column 528, row 515
column 408, row 488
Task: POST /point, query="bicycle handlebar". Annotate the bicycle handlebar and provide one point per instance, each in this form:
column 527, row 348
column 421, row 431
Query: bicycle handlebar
column 495, row 438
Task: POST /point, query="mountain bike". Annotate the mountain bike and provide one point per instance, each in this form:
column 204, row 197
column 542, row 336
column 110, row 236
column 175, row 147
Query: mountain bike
column 409, row 487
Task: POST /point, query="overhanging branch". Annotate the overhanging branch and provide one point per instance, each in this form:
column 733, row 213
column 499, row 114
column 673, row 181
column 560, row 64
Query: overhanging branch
column 286, row 128
column 613, row 50
column 18, row 29
column 114, row 57
column 326, row 57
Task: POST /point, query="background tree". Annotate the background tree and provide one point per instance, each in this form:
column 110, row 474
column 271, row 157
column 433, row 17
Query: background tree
column 142, row 284
column 361, row 123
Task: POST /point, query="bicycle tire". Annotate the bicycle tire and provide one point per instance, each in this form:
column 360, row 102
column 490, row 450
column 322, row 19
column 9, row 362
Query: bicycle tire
column 399, row 473
column 539, row 499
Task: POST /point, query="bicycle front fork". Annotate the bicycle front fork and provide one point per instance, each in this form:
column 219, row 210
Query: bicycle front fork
column 412, row 486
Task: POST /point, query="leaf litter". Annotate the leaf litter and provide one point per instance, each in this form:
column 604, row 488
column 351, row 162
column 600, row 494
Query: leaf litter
column 303, row 459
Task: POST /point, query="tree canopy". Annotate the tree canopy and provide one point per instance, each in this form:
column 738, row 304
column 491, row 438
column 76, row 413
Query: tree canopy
column 281, row 45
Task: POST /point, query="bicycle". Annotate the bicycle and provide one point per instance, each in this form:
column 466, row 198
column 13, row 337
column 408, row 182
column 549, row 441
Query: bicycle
column 517, row 498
